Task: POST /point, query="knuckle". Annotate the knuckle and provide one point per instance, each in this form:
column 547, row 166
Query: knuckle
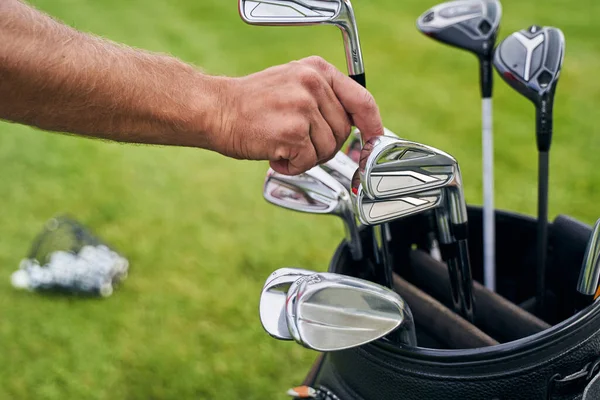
column 368, row 101
column 310, row 79
column 306, row 103
column 318, row 62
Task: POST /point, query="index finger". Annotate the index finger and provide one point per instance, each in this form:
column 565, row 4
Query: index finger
column 356, row 100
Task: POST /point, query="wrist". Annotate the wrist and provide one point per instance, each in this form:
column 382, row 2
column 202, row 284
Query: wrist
column 207, row 126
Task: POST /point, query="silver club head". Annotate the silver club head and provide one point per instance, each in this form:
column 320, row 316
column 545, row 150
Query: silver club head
column 375, row 212
column 467, row 24
column 342, row 168
column 335, row 312
column 589, row 276
column 273, row 298
column 310, row 12
column 315, row 192
column 391, row 167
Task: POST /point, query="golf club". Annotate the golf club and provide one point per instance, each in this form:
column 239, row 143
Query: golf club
column 311, row 12
column 334, row 312
column 473, row 25
column 342, row 168
column 315, row 192
column 589, row 276
column 272, row 301
column 530, row 61
column 393, row 171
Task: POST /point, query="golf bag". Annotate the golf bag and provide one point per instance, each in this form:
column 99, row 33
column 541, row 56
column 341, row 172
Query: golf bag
column 507, row 354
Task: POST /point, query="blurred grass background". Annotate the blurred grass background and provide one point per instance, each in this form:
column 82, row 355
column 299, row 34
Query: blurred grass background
column 201, row 239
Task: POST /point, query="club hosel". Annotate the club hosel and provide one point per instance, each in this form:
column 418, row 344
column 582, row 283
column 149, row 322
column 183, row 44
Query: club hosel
column 486, row 76
column 544, row 125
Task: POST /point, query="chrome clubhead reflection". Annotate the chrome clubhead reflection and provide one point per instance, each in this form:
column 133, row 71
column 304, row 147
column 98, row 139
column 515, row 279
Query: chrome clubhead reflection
column 341, row 168
column 467, row 24
column 273, row 298
column 310, row 12
column 391, row 167
column 315, row 192
column 375, row 212
column 589, row 276
column 335, row 312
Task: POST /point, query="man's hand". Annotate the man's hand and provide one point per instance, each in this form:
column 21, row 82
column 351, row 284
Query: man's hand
column 295, row 115
column 56, row 78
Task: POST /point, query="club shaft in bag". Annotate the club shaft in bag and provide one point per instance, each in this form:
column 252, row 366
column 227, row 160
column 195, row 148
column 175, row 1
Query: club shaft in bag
column 489, row 221
column 542, row 227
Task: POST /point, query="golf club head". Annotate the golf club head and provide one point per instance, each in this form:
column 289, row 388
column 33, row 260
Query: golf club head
column 290, row 309
column 314, row 191
column 467, row 24
column 342, row 168
column 589, row 276
column 336, row 312
column 391, row 167
column 530, row 61
column 375, row 212
column 310, row 12
column 273, row 298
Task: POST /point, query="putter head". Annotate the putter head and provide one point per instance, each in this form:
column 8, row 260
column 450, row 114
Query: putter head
column 467, row 24
column 336, row 312
column 310, row 12
column 589, row 276
column 273, row 298
column 314, row 191
column 530, row 61
column 391, row 167
column 375, row 212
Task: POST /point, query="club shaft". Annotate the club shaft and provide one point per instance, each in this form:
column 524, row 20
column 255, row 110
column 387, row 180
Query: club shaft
column 542, row 227
column 489, row 223
column 466, row 280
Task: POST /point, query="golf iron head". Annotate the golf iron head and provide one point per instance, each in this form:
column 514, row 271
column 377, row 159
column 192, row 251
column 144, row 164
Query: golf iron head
column 310, row 12
column 467, row 24
column 315, row 192
column 273, row 298
column 391, row 167
column 330, row 312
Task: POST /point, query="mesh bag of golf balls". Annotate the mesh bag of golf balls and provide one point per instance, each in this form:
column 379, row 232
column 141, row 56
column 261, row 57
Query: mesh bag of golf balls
column 66, row 257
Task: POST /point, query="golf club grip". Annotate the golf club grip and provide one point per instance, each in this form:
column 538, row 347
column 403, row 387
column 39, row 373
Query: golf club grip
column 439, row 321
column 360, row 79
column 494, row 314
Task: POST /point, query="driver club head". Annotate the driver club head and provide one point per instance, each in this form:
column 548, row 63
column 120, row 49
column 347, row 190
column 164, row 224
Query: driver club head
column 530, row 61
column 391, row 167
column 336, row 312
column 273, row 298
column 466, row 24
column 375, row 212
column 310, row 12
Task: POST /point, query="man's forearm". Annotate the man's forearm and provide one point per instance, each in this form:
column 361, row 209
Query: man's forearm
column 56, row 78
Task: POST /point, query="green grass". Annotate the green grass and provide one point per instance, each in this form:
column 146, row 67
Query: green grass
column 200, row 238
